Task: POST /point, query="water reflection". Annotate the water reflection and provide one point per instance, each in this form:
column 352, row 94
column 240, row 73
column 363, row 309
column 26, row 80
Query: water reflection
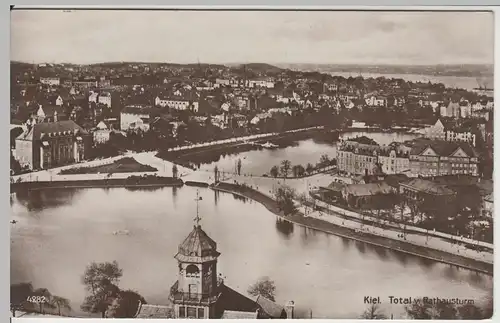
column 63, row 243
column 361, row 246
column 401, row 257
column 284, row 227
column 174, row 196
column 381, row 252
column 240, row 198
column 37, row 200
column 143, row 189
column 216, row 197
column 451, row 272
column 427, row 263
column 346, row 243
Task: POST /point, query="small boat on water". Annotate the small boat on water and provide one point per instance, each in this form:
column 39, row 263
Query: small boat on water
column 269, row 145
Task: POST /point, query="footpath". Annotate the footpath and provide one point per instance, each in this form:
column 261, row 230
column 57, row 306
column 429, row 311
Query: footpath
column 414, row 244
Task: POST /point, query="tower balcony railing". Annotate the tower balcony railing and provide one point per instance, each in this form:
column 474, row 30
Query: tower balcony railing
column 178, row 295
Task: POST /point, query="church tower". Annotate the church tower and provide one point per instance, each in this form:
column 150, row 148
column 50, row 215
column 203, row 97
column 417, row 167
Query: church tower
column 195, row 293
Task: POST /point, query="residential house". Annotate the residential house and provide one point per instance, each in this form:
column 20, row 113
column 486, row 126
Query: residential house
column 452, row 110
column 54, row 81
column 261, row 83
column 360, row 195
column 51, row 144
column 465, row 109
column 357, row 158
column 463, row 133
column 59, row 101
column 376, row 101
column 50, row 113
column 177, row 103
column 105, row 98
column 436, row 131
column 429, row 195
column 436, row 157
column 93, row 97
column 136, row 117
column 487, row 206
column 101, row 133
column 394, row 159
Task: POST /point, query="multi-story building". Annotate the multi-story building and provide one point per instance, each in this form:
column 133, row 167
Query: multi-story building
column 55, row 81
column 436, row 131
column 394, row 159
column 136, row 116
column 51, row 144
column 430, row 196
column 436, row 157
column 105, row 98
column 50, row 113
column 357, row 158
column 451, row 132
column 376, row 101
column 177, row 103
column 462, row 134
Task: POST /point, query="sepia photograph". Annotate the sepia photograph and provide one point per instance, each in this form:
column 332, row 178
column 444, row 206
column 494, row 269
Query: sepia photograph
column 251, row 164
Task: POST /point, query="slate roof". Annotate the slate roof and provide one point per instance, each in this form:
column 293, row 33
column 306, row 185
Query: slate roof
column 231, row 300
column 441, row 147
column 148, row 311
column 270, row 308
column 35, row 133
column 135, row 109
column 368, row 189
column 335, row 186
column 197, row 247
column 429, row 187
column 49, row 110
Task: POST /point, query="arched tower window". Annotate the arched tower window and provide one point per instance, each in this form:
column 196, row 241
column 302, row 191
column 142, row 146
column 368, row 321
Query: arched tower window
column 192, row 271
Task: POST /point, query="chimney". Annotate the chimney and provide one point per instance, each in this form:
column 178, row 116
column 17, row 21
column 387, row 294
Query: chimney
column 289, row 309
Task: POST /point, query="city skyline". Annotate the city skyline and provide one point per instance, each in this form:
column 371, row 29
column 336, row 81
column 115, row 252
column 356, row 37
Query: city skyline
column 274, row 37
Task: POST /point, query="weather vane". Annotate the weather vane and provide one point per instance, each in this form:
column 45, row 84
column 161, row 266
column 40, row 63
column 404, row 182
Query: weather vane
column 198, row 199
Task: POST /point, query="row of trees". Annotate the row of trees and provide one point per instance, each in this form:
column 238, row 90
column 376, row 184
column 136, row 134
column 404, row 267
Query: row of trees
column 420, row 310
column 299, row 170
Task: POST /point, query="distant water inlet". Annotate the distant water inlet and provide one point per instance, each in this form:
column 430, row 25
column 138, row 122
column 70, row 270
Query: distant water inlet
column 59, row 232
column 260, row 160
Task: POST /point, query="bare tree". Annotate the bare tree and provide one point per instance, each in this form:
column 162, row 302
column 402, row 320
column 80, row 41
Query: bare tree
column 373, row 312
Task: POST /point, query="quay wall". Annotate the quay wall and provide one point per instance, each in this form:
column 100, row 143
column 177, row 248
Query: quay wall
column 328, row 227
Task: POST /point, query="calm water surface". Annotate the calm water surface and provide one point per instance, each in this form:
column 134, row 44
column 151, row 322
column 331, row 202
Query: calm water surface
column 61, row 231
column 463, row 82
column 258, row 162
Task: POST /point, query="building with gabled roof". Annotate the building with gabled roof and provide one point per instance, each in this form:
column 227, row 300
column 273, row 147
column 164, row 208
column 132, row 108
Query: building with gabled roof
column 437, row 157
column 50, row 144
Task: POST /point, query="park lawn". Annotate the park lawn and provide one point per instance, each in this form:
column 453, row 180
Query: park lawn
column 123, row 165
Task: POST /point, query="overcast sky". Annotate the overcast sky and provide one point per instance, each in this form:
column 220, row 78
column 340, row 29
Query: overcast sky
column 252, row 36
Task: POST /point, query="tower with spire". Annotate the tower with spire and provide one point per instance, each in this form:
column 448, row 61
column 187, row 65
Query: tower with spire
column 195, row 293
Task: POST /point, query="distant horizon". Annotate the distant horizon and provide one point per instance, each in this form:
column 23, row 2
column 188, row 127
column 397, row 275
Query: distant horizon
column 243, row 63
column 418, row 38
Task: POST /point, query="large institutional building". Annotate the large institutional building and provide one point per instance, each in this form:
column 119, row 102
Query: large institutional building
column 420, row 157
column 51, row 144
column 200, row 292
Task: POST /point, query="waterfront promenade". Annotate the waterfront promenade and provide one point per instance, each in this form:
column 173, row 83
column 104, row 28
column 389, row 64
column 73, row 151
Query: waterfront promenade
column 345, row 223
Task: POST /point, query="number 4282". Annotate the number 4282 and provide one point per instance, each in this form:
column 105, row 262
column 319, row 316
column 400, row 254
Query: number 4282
column 36, row 299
